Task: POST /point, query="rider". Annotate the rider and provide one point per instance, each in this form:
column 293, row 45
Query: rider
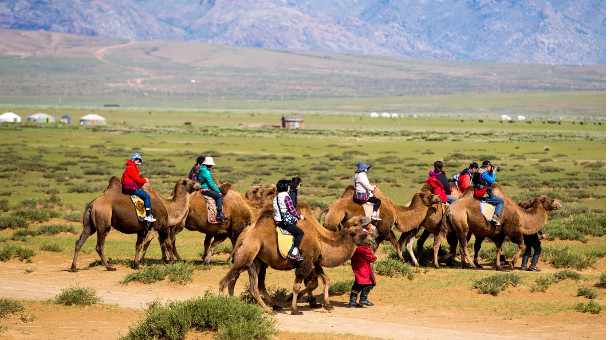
column 363, row 189
column 440, row 184
column 295, row 185
column 208, row 187
column 194, row 173
column 465, row 177
column 482, row 181
column 283, row 209
column 132, row 183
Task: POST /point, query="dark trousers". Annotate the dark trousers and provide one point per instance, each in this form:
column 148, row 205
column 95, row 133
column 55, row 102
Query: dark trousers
column 217, row 197
column 295, row 231
column 532, row 241
column 497, row 201
column 358, row 287
column 376, row 202
column 146, row 197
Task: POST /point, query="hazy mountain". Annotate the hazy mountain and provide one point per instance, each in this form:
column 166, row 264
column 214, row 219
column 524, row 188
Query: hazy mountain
column 533, row 31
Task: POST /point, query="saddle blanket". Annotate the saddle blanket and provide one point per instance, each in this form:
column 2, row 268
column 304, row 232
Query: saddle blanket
column 138, row 204
column 487, row 210
column 211, row 204
column 368, row 209
column 285, row 242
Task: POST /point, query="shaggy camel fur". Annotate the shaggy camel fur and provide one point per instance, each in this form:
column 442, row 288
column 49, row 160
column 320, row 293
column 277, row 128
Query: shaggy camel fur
column 406, row 218
column 256, row 249
column 464, row 215
column 240, row 211
column 115, row 209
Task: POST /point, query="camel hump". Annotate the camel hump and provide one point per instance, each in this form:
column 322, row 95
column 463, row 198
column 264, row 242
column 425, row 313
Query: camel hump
column 348, row 192
column 428, row 187
column 114, row 184
column 225, row 187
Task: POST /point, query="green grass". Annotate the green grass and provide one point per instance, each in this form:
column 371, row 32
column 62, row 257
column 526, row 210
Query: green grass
column 564, row 257
column 341, row 287
column 602, row 281
column 589, row 307
column 75, row 295
column 394, row 268
column 9, row 251
column 587, row 292
column 181, row 272
column 230, row 317
column 9, row 306
column 497, row 283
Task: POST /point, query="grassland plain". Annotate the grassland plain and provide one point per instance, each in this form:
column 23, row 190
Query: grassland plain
column 49, row 173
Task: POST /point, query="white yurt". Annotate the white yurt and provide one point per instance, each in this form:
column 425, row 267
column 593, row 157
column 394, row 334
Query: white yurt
column 505, row 117
column 413, row 115
column 520, row 117
column 374, row 115
column 385, row 115
column 394, row 115
column 92, row 119
column 41, row 118
column 10, row 117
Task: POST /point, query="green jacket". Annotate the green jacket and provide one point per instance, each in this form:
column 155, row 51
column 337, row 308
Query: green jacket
column 205, row 178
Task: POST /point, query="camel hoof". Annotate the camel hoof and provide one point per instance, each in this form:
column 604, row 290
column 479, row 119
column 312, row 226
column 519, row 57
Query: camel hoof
column 111, row 269
column 328, row 307
column 277, row 308
column 270, row 311
column 296, row 312
column 73, row 269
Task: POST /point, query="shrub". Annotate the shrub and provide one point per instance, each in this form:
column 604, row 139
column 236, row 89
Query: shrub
column 178, row 272
column 9, row 306
column 29, row 204
column 391, row 268
column 590, row 307
column 12, row 222
column 4, row 205
column 21, row 235
column 544, row 282
column 39, row 215
column 80, row 296
column 494, row 284
column 6, row 252
column 73, row 216
column 111, row 261
column 602, row 281
column 341, row 287
column 577, row 227
column 564, row 258
column 52, row 247
column 55, row 228
column 567, row 274
column 587, row 292
column 24, row 254
column 232, row 318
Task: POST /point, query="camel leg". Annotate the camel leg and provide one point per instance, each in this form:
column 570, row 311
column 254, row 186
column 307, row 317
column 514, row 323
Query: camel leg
column 149, row 237
column 519, row 241
column 326, row 282
column 295, row 293
column 261, row 268
column 392, row 238
column 206, row 246
column 420, row 244
column 453, row 242
column 464, row 250
column 211, row 248
column 438, row 239
column 101, row 239
column 253, row 273
column 478, row 241
column 411, row 237
column 230, row 279
column 139, row 241
column 88, row 230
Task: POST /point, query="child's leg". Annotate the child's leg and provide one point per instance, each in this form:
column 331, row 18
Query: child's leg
column 365, row 294
column 146, row 197
column 296, row 232
column 353, row 297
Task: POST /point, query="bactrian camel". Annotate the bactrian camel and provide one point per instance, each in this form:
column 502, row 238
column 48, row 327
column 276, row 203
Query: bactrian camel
column 465, row 216
column 256, row 249
column 115, row 209
column 406, row 218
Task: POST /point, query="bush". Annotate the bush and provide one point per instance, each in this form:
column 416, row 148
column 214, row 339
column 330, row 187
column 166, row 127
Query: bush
column 52, row 247
column 564, row 258
column 29, row 204
column 12, row 222
column 72, row 216
column 80, row 296
column 8, row 306
column 494, row 284
column 232, row 318
column 587, row 292
column 39, row 215
column 178, row 272
column 392, row 268
column 590, row 307
column 9, row 251
column 602, row 281
column 577, row 227
column 567, row 274
column 21, row 235
column 341, row 287
column 544, row 282
column 55, row 228
column 4, row 205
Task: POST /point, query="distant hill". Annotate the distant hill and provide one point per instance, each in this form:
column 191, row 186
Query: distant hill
column 39, row 67
column 520, row 31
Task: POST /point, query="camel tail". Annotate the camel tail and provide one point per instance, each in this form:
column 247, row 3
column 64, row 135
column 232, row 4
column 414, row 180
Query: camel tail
column 87, row 221
column 323, row 213
column 237, row 245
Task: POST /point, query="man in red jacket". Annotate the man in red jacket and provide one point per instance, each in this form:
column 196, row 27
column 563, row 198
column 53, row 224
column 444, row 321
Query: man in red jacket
column 361, row 265
column 465, row 178
column 132, row 183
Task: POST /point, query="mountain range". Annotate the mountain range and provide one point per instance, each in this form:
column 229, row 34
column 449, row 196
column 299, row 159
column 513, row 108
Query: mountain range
column 555, row 32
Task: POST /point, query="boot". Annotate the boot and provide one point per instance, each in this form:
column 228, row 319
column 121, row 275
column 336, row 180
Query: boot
column 364, row 295
column 221, row 216
column 503, row 260
column 534, row 262
column 524, row 262
column 352, row 300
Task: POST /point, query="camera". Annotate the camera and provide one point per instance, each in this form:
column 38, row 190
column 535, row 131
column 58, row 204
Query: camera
column 496, row 168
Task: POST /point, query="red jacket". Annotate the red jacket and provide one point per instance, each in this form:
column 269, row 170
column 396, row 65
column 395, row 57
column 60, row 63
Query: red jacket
column 437, row 187
column 132, row 175
column 464, row 182
column 361, row 265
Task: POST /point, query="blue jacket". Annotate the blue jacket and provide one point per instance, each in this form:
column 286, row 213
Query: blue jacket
column 489, row 178
column 205, row 178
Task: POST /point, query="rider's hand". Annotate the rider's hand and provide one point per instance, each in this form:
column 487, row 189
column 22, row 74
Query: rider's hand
column 146, row 180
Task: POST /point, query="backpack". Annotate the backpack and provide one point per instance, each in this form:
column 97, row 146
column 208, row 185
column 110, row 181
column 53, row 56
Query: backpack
column 481, row 187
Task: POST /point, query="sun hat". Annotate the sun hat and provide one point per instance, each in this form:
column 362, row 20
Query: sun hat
column 208, row 161
column 136, row 156
column 364, row 221
column 362, row 167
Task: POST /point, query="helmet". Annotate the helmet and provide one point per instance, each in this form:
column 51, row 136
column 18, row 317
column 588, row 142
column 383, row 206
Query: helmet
column 136, row 156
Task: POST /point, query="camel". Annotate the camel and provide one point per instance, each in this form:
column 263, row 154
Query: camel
column 464, row 216
column 406, row 218
column 114, row 209
column 256, row 250
column 258, row 194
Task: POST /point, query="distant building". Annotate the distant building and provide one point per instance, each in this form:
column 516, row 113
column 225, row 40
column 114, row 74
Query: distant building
column 92, row 119
column 10, row 117
column 520, row 117
column 385, row 115
column 394, row 115
column 505, row 117
column 374, row 115
column 413, row 115
column 41, row 118
column 293, row 122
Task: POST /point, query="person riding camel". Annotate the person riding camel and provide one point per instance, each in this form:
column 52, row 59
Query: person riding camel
column 194, row 173
column 295, row 185
column 482, row 182
column 465, row 177
column 208, row 188
column 131, row 183
column 364, row 278
column 286, row 217
column 363, row 189
column 440, row 184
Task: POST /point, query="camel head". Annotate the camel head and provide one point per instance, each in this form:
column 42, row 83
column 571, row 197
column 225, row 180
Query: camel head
column 428, row 198
column 190, row 185
column 361, row 237
column 549, row 203
column 355, row 222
